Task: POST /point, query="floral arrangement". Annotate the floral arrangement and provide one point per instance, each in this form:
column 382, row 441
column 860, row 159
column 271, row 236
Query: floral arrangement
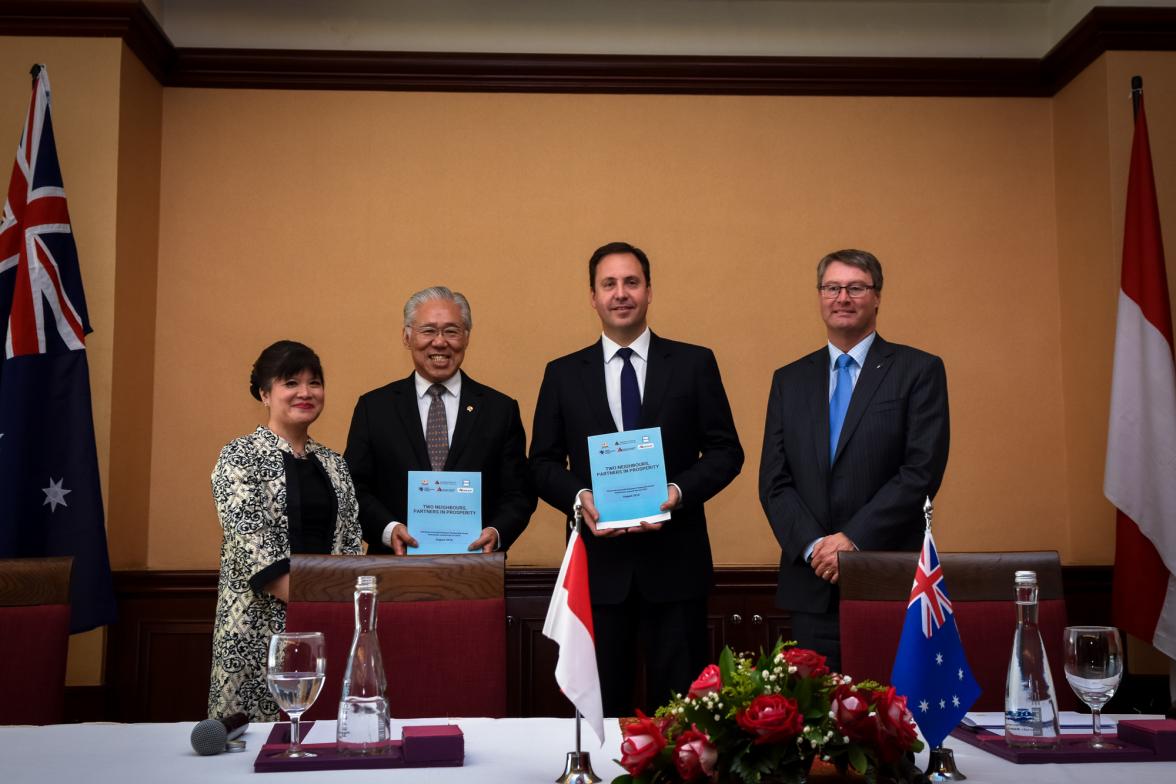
column 766, row 720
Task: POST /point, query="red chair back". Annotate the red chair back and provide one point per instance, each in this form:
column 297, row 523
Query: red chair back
column 875, row 587
column 442, row 628
column 34, row 623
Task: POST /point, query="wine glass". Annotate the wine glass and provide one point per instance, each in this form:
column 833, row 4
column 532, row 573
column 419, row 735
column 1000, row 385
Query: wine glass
column 1094, row 666
column 297, row 665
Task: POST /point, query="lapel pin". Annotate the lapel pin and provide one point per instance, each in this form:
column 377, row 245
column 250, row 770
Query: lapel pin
column 469, row 409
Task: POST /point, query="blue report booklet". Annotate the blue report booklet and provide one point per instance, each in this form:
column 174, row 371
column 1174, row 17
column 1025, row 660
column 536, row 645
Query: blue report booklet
column 628, row 477
column 444, row 510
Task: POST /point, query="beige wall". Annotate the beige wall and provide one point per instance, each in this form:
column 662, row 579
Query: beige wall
column 131, row 392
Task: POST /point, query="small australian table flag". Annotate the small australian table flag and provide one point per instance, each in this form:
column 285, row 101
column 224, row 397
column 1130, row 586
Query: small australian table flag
column 930, row 667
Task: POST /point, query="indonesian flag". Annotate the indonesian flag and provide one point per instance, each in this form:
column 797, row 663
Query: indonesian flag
column 569, row 623
column 1141, row 442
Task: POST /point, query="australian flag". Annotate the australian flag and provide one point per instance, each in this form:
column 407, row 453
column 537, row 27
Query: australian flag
column 930, row 668
column 50, row 496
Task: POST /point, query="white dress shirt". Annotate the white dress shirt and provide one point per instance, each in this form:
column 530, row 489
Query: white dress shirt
column 451, row 398
column 613, row 365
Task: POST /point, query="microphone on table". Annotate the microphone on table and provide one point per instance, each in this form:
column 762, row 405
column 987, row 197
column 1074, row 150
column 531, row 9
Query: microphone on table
column 212, row 736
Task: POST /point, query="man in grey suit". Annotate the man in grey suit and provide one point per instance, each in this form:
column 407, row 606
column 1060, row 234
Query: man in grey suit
column 438, row 419
column 856, row 437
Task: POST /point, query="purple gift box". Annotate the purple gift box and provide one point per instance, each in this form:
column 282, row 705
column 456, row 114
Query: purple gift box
column 428, row 746
column 1070, row 749
column 1159, row 735
column 434, row 744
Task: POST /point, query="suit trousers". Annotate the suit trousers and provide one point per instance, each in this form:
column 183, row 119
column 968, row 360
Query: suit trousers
column 820, row 632
column 673, row 641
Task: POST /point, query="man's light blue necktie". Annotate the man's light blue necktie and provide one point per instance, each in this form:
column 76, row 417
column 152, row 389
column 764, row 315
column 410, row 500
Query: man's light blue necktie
column 839, row 403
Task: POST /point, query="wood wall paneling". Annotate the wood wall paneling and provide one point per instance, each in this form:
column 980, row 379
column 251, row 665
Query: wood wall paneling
column 1103, row 29
column 159, row 651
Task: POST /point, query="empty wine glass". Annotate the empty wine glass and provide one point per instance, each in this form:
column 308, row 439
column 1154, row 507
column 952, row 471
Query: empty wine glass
column 297, row 665
column 1094, row 666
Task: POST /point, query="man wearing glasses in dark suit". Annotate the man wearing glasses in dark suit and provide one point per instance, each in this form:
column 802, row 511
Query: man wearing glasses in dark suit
column 438, row 419
column 856, row 438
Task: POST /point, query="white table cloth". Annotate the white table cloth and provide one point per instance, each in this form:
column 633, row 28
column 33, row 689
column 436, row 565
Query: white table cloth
column 497, row 750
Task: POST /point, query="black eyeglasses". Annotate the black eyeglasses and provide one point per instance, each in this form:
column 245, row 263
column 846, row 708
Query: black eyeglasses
column 854, row 290
column 430, row 332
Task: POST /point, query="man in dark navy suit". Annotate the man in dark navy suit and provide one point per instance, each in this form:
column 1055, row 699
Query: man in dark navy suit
column 438, row 419
column 648, row 582
column 856, row 438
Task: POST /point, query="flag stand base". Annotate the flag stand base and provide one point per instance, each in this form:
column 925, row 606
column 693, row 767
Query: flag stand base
column 578, row 770
column 941, row 766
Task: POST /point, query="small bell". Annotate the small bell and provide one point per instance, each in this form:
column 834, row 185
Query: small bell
column 578, row 770
column 941, row 765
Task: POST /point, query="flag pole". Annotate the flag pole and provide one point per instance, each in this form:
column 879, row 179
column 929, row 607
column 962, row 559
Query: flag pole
column 941, row 764
column 578, row 764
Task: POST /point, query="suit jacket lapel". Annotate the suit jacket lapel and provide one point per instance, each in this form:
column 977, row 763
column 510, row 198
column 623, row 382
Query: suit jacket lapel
column 592, row 382
column 818, row 404
column 468, row 408
column 409, row 412
column 657, row 380
column 877, row 366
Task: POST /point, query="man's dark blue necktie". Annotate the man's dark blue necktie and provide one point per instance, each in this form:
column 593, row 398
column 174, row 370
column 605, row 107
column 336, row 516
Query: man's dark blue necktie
column 630, row 392
column 839, row 403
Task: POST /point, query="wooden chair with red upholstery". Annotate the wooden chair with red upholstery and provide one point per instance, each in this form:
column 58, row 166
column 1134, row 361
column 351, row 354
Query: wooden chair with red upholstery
column 875, row 589
column 441, row 624
column 34, row 628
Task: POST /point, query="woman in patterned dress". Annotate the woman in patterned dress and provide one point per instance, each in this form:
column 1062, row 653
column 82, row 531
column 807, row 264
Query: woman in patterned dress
column 277, row 491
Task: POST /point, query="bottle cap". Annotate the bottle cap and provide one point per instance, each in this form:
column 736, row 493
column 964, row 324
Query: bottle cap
column 1026, row 578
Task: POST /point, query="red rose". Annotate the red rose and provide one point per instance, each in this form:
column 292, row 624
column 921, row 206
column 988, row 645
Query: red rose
column 771, row 718
column 851, row 713
column 709, row 682
column 695, row 755
column 808, row 664
column 643, row 738
column 896, row 725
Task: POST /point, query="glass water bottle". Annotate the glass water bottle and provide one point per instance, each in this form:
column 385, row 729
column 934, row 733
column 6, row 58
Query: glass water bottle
column 363, row 710
column 1031, row 710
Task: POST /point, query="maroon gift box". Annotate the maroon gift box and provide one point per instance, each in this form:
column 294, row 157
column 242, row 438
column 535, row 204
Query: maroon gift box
column 425, row 746
column 1071, row 749
column 1158, row 735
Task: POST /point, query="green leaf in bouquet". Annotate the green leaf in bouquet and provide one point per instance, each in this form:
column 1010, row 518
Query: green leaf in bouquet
column 858, row 759
column 727, row 665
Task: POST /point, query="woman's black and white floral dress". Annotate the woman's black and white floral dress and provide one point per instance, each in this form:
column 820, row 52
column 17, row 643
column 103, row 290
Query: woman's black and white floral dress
column 249, row 488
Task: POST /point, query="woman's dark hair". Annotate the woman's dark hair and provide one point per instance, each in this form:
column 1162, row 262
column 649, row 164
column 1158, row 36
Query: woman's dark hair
column 284, row 359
